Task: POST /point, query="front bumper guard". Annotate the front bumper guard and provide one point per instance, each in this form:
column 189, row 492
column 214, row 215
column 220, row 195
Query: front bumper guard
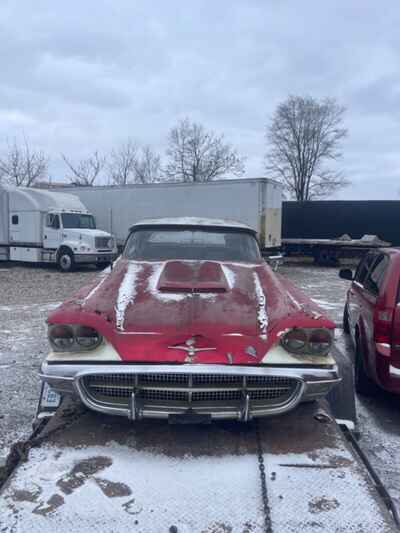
column 68, row 379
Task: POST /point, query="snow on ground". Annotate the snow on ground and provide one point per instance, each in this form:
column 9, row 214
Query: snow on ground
column 114, row 487
column 27, row 295
column 379, row 417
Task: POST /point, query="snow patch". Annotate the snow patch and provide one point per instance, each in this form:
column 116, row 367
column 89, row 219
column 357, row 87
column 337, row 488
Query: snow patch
column 230, row 276
column 126, row 293
column 262, row 316
column 153, row 283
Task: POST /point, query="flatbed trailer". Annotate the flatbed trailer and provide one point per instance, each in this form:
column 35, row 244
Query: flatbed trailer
column 330, row 251
column 298, row 472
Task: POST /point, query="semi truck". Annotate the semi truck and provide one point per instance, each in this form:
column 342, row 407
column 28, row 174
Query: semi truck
column 256, row 202
column 41, row 226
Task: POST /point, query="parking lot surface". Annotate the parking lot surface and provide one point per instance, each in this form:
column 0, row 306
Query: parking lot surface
column 29, row 293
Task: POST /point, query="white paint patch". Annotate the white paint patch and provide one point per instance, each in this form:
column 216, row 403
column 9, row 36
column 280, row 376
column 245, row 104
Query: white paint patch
column 262, row 316
column 293, row 300
column 230, row 276
column 126, row 293
column 160, row 295
column 96, row 287
column 233, row 335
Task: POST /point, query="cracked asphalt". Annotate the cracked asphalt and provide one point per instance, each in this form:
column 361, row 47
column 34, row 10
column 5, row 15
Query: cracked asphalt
column 28, row 293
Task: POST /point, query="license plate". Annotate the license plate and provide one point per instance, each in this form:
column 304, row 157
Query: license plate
column 189, row 418
column 48, row 403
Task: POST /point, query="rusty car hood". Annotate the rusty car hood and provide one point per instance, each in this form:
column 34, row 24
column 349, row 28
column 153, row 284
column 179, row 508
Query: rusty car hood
column 154, row 311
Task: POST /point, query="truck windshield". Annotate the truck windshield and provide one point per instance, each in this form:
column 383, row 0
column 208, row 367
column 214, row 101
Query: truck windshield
column 187, row 243
column 77, row 220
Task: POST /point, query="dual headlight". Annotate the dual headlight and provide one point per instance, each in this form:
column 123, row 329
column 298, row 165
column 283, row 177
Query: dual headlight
column 301, row 341
column 73, row 338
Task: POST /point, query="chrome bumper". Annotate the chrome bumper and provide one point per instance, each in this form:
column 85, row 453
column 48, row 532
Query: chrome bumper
column 311, row 383
column 98, row 257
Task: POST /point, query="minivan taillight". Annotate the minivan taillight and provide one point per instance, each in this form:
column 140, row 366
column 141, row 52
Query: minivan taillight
column 383, row 318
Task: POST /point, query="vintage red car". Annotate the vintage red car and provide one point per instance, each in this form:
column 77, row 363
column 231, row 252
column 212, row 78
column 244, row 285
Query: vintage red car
column 191, row 323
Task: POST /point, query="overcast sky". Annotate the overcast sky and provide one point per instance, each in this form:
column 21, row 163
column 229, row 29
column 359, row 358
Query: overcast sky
column 86, row 74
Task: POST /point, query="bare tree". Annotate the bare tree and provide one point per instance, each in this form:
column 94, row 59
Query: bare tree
column 86, row 171
column 147, row 166
column 122, row 163
column 22, row 166
column 199, row 155
column 303, row 136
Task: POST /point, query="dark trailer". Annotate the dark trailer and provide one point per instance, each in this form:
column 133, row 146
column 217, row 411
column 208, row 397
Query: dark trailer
column 313, row 228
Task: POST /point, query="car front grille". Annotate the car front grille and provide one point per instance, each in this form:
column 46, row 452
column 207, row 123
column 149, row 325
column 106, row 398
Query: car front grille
column 170, row 393
column 102, row 242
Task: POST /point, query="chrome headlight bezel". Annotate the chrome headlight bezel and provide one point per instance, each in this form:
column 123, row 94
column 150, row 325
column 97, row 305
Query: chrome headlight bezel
column 74, row 335
column 315, row 341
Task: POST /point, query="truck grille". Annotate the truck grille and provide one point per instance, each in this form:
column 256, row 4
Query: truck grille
column 103, row 242
column 168, row 393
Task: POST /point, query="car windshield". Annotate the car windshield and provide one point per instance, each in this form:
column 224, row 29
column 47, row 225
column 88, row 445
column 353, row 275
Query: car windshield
column 77, row 220
column 197, row 244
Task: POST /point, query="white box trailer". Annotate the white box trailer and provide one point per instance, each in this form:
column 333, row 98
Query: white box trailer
column 40, row 226
column 253, row 201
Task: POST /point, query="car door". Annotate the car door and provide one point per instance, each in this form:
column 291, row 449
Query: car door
column 356, row 296
column 370, row 293
column 52, row 231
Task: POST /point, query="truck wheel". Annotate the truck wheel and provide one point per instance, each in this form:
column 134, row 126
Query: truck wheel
column 363, row 383
column 346, row 325
column 66, row 261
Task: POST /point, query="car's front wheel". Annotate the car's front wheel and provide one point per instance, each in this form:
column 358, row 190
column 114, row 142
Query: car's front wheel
column 363, row 383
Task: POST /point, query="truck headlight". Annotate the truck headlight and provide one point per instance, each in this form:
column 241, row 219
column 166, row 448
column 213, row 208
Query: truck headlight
column 73, row 338
column 311, row 341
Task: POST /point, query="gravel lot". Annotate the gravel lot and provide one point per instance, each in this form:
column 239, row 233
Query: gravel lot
column 29, row 293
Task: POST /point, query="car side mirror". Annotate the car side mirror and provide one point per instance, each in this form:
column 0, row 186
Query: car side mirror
column 346, row 273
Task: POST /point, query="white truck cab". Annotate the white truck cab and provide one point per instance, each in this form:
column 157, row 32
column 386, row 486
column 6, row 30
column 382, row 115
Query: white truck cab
column 51, row 227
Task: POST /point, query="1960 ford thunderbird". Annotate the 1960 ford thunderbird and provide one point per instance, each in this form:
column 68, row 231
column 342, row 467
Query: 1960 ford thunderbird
column 190, row 322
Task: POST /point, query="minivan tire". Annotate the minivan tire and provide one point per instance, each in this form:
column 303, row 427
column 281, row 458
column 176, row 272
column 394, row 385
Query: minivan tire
column 66, row 261
column 362, row 382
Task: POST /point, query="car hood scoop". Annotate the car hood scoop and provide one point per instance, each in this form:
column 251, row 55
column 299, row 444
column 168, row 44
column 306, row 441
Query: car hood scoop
column 206, row 276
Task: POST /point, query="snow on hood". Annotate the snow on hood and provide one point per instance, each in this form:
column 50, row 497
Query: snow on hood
column 145, row 308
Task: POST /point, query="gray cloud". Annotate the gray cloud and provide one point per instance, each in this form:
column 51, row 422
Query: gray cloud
column 81, row 75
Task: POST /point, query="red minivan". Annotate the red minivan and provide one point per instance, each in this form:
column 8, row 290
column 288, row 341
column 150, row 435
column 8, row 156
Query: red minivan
column 372, row 317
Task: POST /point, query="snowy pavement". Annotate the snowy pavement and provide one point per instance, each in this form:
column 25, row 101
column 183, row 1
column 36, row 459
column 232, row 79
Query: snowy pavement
column 107, row 474
column 378, row 417
column 27, row 295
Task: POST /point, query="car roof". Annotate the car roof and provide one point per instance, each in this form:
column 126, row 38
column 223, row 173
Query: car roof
column 194, row 222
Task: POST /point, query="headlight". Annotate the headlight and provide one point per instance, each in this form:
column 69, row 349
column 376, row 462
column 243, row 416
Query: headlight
column 61, row 337
column 73, row 338
column 295, row 340
column 307, row 341
column 320, row 341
